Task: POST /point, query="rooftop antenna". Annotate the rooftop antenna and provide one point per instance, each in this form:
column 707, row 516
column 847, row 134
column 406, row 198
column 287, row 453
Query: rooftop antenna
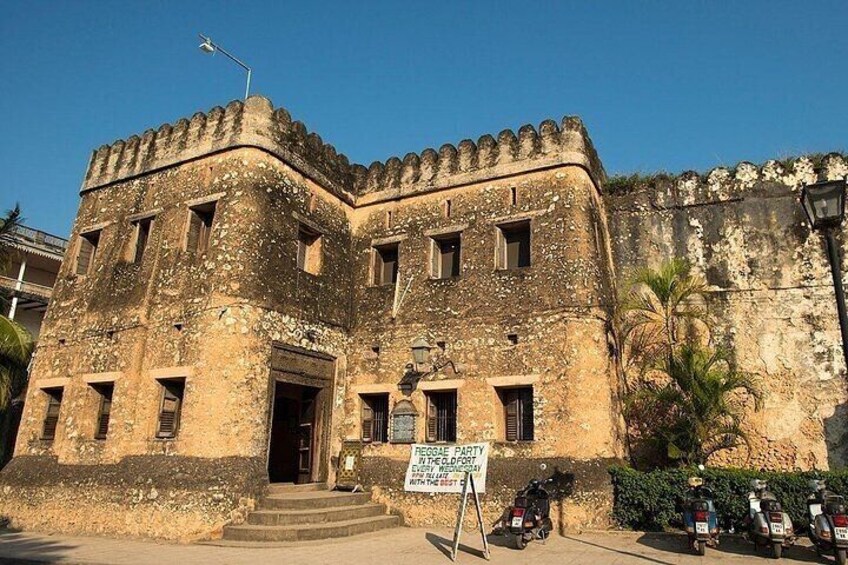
column 208, row 46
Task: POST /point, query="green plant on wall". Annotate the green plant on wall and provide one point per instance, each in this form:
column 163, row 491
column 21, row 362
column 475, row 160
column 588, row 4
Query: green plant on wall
column 683, row 399
column 16, row 343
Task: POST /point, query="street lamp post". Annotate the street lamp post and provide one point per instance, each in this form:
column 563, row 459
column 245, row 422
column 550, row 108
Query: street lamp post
column 208, row 46
column 824, row 204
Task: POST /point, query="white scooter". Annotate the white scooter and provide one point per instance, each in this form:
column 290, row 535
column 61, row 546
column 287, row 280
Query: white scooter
column 767, row 524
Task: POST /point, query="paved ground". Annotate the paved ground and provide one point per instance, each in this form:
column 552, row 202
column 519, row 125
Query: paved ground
column 409, row 546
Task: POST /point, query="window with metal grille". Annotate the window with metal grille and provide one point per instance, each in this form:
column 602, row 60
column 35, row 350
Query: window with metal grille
column 200, row 221
column 308, row 250
column 445, row 256
column 173, row 391
column 518, row 413
column 441, row 416
column 386, row 264
column 375, row 417
column 513, row 245
column 105, row 391
column 87, row 251
column 51, row 416
column 142, row 235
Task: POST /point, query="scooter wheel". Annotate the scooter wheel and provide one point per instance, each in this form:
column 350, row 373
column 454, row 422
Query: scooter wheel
column 776, row 550
column 840, row 556
column 702, row 547
column 520, row 542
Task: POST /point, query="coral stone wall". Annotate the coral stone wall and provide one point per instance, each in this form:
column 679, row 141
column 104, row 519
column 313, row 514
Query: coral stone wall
column 557, row 308
column 770, row 293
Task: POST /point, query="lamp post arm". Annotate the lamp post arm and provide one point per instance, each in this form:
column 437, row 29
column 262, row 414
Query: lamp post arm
column 233, row 58
column 836, row 272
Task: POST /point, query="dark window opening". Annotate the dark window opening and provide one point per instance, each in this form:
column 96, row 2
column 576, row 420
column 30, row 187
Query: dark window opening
column 447, row 208
column 105, row 391
column 308, row 250
column 518, row 413
column 375, row 418
column 514, row 245
column 441, row 416
column 87, row 251
column 389, row 218
column 51, row 416
column 201, row 219
column 386, row 264
column 170, row 408
column 142, row 235
column 513, row 195
column 446, row 251
column 512, row 338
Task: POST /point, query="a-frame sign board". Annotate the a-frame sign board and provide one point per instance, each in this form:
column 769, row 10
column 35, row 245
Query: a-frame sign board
column 469, row 480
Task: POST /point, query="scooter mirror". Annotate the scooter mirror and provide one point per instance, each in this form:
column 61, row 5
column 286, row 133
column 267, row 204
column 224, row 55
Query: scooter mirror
column 543, row 466
column 701, row 467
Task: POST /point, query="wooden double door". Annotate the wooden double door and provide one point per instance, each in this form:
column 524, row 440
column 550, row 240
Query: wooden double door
column 301, row 413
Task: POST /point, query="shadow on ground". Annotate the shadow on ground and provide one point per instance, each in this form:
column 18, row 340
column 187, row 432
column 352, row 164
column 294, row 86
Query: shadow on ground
column 17, row 548
column 733, row 545
column 445, row 545
column 611, row 547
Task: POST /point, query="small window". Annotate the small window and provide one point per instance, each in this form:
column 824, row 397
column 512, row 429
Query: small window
column 386, row 264
column 200, row 221
column 51, row 416
column 375, row 417
column 87, row 252
column 308, row 250
column 170, row 408
column 142, row 235
column 518, row 413
column 441, row 416
column 446, row 252
column 514, row 245
column 447, row 208
column 105, row 391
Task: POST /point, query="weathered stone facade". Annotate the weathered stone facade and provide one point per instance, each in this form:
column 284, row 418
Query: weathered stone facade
column 232, row 321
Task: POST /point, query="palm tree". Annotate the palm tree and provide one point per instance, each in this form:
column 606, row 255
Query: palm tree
column 16, row 343
column 662, row 308
column 698, row 410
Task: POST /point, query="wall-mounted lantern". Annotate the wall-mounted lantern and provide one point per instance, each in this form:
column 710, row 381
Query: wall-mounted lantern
column 421, row 357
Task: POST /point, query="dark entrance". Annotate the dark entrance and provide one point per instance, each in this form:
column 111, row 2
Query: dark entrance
column 292, row 450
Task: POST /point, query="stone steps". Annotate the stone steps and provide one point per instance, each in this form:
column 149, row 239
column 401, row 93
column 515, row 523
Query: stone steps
column 310, row 512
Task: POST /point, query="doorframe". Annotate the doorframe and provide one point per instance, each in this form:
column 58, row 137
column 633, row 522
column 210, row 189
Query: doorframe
column 321, row 443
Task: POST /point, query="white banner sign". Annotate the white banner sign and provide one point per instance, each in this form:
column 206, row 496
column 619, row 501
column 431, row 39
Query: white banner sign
column 442, row 468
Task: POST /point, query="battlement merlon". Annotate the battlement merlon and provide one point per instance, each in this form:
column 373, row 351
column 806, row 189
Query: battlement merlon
column 255, row 123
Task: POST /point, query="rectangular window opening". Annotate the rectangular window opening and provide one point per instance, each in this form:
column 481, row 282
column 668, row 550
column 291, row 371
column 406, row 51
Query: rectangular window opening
column 514, row 245
column 142, row 235
column 513, row 195
column 105, row 391
column 518, row 413
column 441, row 416
column 308, row 249
column 170, row 408
column 446, row 254
column 201, row 220
column 447, row 208
column 51, row 416
column 87, row 252
column 386, row 264
column 375, row 418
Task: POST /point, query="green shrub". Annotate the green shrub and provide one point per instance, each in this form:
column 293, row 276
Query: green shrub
column 647, row 500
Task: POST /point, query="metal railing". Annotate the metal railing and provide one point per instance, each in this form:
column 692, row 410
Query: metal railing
column 39, row 237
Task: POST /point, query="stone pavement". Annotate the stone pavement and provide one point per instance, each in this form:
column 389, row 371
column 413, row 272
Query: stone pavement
column 400, row 545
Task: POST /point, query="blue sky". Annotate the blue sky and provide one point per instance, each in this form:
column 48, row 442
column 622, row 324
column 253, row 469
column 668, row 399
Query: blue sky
column 661, row 85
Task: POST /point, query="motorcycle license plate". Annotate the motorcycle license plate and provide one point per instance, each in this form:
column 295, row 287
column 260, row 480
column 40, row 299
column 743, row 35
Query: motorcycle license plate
column 841, row 533
column 777, row 528
column 517, row 521
column 702, row 528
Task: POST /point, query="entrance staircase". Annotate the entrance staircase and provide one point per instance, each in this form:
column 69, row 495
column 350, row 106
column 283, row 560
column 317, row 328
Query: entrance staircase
column 292, row 512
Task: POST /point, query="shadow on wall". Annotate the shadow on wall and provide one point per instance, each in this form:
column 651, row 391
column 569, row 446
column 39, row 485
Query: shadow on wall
column 16, row 547
column 836, row 438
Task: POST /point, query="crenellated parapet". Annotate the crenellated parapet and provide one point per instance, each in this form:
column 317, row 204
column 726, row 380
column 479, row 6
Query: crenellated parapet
column 255, row 123
column 549, row 145
column 723, row 184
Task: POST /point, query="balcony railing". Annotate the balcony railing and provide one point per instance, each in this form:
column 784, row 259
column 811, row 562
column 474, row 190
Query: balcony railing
column 39, row 238
column 28, row 288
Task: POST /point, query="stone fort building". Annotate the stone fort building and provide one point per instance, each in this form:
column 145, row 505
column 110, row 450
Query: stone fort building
column 239, row 302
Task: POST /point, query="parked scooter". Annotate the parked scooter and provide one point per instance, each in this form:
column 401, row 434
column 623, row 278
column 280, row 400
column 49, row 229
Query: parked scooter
column 767, row 524
column 828, row 521
column 699, row 516
column 529, row 516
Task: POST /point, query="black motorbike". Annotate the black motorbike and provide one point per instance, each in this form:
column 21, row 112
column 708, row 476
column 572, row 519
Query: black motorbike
column 529, row 516
column 828, row 515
